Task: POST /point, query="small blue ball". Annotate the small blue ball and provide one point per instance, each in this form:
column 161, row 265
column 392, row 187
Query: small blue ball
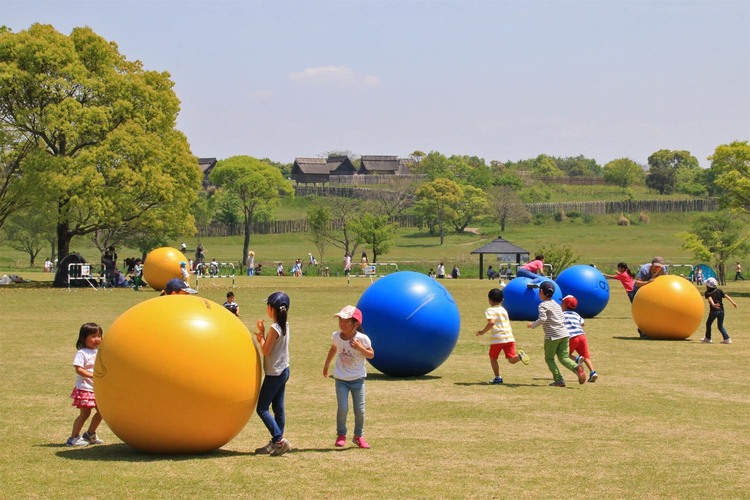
column 522, row 302
column 412, row 321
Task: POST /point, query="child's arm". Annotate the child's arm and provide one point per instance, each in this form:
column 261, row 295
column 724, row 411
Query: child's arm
column 87, row 374
column 367, row 352
column 329, row 358
column 487, row 327
column 730, row 300
column 542, row 318
column 266, row 341
column 712, row 304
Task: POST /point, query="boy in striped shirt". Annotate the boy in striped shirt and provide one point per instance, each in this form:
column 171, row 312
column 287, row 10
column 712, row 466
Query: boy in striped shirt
column 578, row 342
column 502, row 339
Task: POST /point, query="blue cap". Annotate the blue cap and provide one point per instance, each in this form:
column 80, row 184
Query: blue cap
column 278, row 299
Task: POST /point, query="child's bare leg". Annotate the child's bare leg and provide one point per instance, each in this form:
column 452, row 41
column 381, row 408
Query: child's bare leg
column 95, row 421
column 589, row 364
column 495, row 366
column 515, row 359
column 78, row 422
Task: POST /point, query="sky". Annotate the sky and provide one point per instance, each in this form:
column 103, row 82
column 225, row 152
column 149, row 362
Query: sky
column 502, row 80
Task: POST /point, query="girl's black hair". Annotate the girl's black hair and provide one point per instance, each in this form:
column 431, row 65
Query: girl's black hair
column 279, row 301
column 627, row 269
column 539, row 257
column 281, row 313
column 86, row 330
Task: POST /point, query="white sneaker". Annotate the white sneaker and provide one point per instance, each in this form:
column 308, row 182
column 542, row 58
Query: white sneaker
column 280, row 448
column 726, row 341
column 91, row 438
column 76, row 441
column 706, row 341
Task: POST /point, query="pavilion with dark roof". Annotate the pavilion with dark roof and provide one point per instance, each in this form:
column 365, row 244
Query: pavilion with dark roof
column 503, row 247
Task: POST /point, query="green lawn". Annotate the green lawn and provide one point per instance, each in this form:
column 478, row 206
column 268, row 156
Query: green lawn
column 665, row 420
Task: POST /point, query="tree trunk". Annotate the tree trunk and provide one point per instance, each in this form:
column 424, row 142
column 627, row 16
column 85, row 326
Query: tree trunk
column 63, row 240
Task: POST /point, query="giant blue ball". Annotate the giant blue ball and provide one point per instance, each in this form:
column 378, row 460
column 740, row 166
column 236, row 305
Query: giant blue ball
column 412, row 321
column 522, row 302
column 588, row 285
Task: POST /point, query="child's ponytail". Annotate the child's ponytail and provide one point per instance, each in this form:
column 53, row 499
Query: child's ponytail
column 279, row 301
column 625, row 267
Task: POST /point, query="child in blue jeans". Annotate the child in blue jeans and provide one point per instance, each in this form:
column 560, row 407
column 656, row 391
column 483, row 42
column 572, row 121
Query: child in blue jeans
column 351, row 347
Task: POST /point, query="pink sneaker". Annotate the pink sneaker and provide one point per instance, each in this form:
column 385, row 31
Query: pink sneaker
column 340, row 440
column 361, row 442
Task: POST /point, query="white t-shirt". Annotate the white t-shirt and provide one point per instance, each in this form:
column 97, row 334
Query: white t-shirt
column 350, row 363
column 278, row 359
column 85, row 358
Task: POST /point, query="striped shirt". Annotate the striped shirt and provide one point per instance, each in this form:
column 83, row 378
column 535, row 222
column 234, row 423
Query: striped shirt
column 501, row 331
column 552, row 320
column 573, row 323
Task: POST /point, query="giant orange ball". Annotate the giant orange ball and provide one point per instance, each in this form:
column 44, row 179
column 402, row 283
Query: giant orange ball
column 162, row 265
column 668, row 308
column 177, row 374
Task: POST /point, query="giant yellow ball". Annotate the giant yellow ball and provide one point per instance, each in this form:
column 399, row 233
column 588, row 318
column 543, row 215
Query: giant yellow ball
column 669, row 308
column 162, row 265
column 177, row 374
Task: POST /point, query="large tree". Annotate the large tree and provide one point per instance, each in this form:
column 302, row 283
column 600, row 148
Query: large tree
column 376, row 232
column 664, row 166
column 624, row 172
column 716, row 238
column 107, row 153
column 437, row 200
column 256, row 184
column 730, row 171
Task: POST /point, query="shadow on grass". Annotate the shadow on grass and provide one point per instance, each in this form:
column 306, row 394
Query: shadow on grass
column 652, row 340
column 389, row 378
column 504, row 384
column 124, row 453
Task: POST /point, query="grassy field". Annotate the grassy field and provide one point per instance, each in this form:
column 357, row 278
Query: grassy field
column 667, row 419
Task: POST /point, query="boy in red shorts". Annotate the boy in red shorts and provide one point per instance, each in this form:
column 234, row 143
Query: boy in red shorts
column 502, row 339
column 578, row 342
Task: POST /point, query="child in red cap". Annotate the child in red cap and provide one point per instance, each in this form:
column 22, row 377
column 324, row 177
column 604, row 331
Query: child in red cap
column 350, row 347
column 578, row 341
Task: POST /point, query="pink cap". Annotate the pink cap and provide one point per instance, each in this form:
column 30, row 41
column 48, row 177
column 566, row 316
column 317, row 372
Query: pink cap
column 350, row 312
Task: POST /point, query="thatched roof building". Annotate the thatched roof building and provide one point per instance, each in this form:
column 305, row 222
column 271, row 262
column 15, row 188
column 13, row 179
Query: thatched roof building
column 379, row 165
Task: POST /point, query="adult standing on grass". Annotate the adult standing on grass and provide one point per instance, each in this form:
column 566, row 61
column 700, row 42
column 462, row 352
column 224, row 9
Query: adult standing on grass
column 250, row 263
column 275, row 349
column 556, row 337
column 715, row 297
column 441, row 271
column 347, row 264
column 350, row 347
column 738, row 272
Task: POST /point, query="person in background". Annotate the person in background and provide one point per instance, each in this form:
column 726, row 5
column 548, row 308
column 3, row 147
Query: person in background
column 533, row 270
column 441, row 271
column 455, row 273
column 250, row 263
column 626, row 277
column 232, row 306
column 738, row 272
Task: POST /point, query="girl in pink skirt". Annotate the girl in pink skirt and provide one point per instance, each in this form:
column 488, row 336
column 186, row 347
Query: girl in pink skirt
column 89, row 338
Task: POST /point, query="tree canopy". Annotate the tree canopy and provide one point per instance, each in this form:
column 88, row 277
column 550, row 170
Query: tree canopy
column 256, row 184
column 106, row 152
column 730, row 169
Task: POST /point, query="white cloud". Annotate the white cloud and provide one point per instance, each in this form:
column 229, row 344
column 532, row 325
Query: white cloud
column 334, row 74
